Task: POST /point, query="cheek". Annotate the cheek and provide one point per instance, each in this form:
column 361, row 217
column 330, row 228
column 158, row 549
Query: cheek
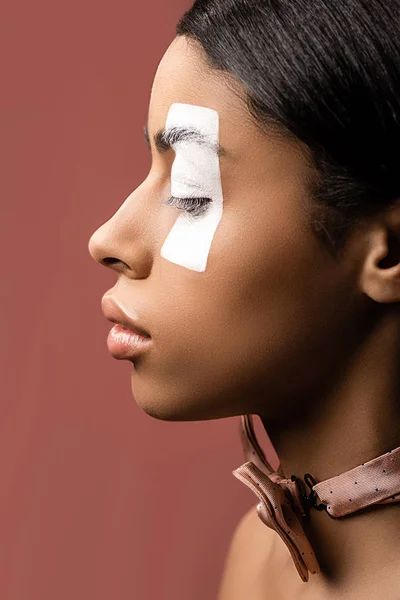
column 266, row 278
column 257, row 316
column 261, row 274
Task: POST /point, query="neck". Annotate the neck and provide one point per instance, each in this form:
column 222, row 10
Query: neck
column 355, row 422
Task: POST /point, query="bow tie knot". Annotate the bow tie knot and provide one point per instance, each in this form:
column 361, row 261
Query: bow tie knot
column 281, row 508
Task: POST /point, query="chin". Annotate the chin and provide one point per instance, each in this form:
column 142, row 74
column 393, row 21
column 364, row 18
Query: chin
column 174, row 411
column 165, row 405
column 163, row 412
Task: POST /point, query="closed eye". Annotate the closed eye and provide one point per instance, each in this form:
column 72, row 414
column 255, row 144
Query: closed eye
column 195, row 207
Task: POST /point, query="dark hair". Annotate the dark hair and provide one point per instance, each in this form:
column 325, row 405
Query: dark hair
column 326, row 72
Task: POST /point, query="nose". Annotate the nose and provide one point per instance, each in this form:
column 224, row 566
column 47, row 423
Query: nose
column 125, row 242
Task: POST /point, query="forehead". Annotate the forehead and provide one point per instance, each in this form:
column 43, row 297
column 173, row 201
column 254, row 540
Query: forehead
column 184, row 78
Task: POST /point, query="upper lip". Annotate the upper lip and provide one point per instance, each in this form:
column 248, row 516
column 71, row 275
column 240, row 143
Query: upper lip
column 114, row 313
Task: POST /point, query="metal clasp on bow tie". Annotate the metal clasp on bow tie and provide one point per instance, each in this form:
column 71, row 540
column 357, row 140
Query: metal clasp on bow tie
column 312, row 497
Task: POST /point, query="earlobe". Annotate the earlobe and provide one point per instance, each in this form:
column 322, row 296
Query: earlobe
column 380, row 273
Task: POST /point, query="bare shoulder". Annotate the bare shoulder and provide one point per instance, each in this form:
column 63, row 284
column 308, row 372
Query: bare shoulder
column 249, row 564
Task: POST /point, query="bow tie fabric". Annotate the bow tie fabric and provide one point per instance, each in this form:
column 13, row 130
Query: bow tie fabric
column 283, row 504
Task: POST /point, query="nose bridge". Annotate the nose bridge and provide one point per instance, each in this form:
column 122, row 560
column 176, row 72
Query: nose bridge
column 126, row 241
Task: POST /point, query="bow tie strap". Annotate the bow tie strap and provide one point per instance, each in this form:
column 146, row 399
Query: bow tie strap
column 374, row 482
column 251, row 448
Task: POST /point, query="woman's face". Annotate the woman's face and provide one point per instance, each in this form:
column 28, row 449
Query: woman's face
column 245, row 307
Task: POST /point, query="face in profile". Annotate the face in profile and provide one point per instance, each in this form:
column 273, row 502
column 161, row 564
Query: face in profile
column 216, row 259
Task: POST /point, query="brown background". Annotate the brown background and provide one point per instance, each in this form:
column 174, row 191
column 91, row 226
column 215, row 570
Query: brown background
column 97, row 499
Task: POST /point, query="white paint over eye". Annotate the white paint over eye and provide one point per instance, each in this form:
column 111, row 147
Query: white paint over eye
column 189, row 241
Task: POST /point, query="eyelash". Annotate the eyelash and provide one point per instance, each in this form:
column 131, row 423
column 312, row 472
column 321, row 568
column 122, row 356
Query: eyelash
column 195, row 207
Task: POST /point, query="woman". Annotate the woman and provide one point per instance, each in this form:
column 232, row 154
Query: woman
column 259, row 261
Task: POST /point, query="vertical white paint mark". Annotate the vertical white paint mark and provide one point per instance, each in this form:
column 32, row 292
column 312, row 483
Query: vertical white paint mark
column 189, row 241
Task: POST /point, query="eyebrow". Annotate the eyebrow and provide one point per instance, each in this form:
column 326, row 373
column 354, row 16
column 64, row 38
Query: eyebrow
column 165, row 139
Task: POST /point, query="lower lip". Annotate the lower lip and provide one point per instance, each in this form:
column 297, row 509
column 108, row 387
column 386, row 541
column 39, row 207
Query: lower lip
column 125, row 343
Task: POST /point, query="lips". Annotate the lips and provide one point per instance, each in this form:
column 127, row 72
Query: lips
column 114, row 313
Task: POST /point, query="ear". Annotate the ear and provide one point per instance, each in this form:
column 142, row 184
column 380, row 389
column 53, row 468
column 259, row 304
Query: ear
column 380, row 273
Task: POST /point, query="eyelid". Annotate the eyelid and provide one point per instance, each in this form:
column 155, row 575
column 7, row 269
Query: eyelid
column 191, row 184
column 184, row 188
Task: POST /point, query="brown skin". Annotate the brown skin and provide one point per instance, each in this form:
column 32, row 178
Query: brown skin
column 276, row 325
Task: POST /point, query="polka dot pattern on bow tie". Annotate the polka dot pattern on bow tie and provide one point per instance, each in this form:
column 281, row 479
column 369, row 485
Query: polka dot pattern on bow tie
column 374, row 482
